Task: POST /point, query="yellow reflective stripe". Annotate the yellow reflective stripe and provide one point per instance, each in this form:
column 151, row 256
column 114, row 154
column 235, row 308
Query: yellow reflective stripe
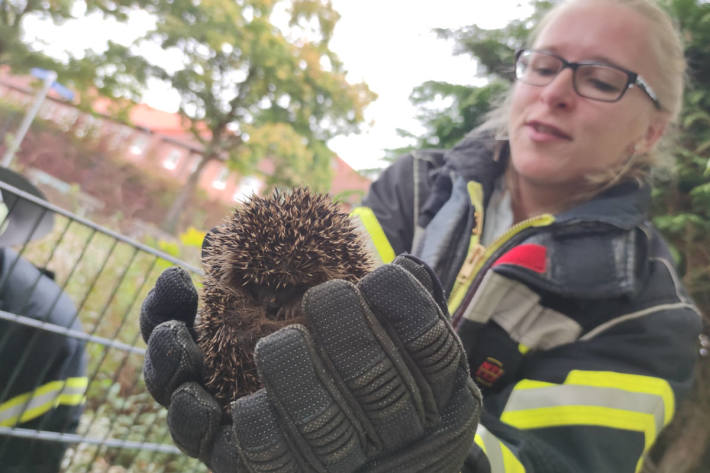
column 532, row 384
column 586, row 415
column 374, row 230
column 69, row 392
column 500, row 458
column 581, row 415
column 457, row 296
column 628, row 382
column 629, row 402
column 479, row 441
column 511, row 462
column 80, row 382
column 554, row 396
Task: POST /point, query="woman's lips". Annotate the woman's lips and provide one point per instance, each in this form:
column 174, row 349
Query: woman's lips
column 540, row 131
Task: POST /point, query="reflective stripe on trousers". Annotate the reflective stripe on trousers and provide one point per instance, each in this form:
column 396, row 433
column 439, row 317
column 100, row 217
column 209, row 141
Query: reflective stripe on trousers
column 28, row 406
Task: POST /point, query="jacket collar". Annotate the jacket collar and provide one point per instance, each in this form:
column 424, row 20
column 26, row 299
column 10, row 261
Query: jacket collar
column 624, row 206
column 592, row 248
column 478, row 157
column 482, row 158
column 595, row 250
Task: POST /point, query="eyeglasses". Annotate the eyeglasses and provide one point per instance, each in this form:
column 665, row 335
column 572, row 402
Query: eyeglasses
column 593, row 80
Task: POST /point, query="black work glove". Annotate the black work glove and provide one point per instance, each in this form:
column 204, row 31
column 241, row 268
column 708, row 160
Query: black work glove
column 378, row 383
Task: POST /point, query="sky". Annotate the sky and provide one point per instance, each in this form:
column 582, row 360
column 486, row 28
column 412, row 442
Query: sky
column 389, row 44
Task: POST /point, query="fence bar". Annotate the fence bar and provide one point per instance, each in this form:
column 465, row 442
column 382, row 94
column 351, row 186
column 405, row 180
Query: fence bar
column 106, row 275
column 105, row 231
column 74, row 438
column 48, row 327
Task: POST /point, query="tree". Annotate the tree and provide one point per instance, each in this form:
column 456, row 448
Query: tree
column 681, row 204
column 12, row 14
column 15, row 50
column 467, row 105
column 682, row 212
column 250, row 90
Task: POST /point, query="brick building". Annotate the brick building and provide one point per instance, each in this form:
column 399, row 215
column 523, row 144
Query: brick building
column 155, row 139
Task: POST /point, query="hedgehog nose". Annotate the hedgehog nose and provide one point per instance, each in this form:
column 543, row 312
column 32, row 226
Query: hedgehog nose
column 262, row 295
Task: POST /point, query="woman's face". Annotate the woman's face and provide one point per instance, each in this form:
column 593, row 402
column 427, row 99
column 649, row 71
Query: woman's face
column 558, row 137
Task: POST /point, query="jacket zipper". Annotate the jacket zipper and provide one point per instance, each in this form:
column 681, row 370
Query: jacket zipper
column 473, row 256
column 480, row 259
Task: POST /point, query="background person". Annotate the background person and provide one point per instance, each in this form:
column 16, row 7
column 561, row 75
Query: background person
column 42, row 374
column 573, row 320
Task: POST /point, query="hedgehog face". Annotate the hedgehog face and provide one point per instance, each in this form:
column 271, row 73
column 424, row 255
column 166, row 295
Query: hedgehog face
column 258, row 265
column 275, row 301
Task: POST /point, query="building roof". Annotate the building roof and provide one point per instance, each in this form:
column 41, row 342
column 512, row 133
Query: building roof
column 345, row 178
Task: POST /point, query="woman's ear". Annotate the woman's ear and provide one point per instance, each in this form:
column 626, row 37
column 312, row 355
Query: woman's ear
column 654, row 131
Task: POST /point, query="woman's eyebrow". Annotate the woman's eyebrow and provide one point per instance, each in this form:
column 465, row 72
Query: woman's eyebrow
column 594, row 58
column 603, row 60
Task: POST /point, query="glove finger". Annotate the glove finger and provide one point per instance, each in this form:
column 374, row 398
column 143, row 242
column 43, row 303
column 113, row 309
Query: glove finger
column 365, row 364
column 172, row 358
column 194, row 419
column 261, row 442
column 307, row 403
column 420, row 327
column 174, row 297
column 446, row 447
column 425, row 275
column 225, row 452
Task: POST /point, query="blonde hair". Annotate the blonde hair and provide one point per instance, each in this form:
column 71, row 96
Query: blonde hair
column 668, row 82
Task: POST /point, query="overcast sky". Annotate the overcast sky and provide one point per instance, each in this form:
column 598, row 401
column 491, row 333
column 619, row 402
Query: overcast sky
column 389, row 44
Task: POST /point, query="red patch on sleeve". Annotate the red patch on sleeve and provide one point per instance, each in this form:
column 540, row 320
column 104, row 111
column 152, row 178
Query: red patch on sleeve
column 529, row 256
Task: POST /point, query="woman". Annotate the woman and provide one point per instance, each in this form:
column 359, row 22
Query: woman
column 566, row 300
column 574, row 324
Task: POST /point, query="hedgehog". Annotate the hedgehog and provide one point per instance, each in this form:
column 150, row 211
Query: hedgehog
column 258, row 264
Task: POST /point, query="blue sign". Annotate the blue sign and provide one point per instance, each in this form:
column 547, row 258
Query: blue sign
column 56, row 86
column 63, row 91
column 40, row 73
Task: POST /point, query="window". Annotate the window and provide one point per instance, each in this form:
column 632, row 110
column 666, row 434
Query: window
column 247, row 187
column 119, row 135
column 172, row 160
column 220, row 181
column 140, row 143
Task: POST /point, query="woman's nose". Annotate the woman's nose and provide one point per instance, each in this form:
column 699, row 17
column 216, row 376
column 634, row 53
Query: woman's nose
column 560, row 92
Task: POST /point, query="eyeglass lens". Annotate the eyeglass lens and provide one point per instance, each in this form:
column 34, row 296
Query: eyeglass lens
column 593, row 81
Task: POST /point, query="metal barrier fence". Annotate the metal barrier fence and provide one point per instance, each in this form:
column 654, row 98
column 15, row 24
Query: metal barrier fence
column 106, row 276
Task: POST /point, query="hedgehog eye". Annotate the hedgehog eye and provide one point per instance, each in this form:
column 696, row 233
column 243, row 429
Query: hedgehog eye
column 272, row 309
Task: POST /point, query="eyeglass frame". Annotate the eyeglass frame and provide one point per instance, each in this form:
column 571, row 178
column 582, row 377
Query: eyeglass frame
column 632, row 78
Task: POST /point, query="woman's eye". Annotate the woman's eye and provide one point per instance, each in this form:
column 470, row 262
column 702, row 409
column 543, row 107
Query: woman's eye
column 544, row 71
column 601, row 85
column 601, row 79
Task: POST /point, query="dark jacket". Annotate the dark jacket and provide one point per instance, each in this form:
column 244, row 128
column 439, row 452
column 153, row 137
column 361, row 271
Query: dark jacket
column 576, row 326
column 42, row 374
